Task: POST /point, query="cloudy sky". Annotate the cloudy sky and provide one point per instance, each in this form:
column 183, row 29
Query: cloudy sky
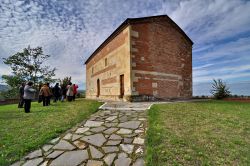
column 70, row 30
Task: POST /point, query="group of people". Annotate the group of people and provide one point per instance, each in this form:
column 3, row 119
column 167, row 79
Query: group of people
column 27, row 93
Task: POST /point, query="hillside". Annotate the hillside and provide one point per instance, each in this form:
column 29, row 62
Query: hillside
column 3, row 87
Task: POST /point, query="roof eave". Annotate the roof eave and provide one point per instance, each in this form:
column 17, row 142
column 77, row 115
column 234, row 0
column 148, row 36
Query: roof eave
column 128, row 22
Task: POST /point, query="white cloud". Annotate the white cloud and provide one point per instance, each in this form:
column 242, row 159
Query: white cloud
column 212, row 20
column 219, row 76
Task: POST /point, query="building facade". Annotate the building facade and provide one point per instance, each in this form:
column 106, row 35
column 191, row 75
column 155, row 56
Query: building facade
column 146, row 58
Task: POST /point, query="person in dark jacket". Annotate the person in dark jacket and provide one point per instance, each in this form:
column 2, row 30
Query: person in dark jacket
column 21, row 93
column 28, row 95
column 56, row 92
column 63, row 92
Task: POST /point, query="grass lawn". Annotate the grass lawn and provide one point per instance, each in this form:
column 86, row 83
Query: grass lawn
column 21, row 132
column 201, row 133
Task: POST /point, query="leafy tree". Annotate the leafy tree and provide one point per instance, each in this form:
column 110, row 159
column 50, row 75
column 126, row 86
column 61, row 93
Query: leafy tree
column 29, row 66
column 12, row 89
column 65, row 81
column 220, row 89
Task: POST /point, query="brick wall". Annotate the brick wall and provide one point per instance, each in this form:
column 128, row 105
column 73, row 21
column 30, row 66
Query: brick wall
column 161, row 60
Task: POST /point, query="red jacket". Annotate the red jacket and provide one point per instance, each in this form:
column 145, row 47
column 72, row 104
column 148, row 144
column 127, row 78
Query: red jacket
column 75, row 89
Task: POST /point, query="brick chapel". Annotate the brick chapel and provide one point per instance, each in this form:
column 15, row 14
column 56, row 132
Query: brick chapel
column 147, row 58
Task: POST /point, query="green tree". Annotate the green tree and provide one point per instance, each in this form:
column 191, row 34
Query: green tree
column 12, row 82
column 65, row 81
column 29, row 66
column 219, row 89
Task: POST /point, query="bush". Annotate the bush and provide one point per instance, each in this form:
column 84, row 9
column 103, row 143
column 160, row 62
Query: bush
column 220, row 89
column 10, row 94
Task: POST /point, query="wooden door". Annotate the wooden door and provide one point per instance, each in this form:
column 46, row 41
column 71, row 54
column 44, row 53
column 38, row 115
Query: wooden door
column 121, row 86
column 98, row 88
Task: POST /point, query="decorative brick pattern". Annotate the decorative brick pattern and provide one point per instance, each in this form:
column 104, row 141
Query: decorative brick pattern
column 164, row 51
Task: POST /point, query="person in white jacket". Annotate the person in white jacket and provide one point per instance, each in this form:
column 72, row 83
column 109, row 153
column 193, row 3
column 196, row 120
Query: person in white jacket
column 70, row 92
column 29, row 93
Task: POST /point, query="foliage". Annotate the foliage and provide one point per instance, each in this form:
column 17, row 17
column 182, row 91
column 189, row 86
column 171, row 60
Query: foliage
column 65, row 81
column 29, row 66
column 12, row 89
column 10, row 94
column 81, row 94
column 212, row 133
column 21, row 133
column 220, row 89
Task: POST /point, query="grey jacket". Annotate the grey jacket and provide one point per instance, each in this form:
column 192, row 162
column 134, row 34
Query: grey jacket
column 29, row 92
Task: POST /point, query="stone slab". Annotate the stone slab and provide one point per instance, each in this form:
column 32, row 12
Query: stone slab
column 109, row 158
column 113, row 142
column 130, row 124
column 124, row 131
column 127, row 148
column 47, row 147
column 33, row 162
column 94, row 163
column 111, row 118
column 80, row 145
column 115, row 137
column 55, row 154
column 98, row 129
column 75, row 137
column 71, row 158
column 96, row 154
column 64, row 145
column 109, row 149
column 91, row 123
column 110, row 130
column 67, row 136
column 122, row 161
column 96, row 139
column 81, row 130
column 138, row 140
column 139, row 162
column 35, row 154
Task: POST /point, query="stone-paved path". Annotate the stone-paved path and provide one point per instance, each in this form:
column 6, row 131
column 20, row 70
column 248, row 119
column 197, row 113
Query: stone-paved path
column 112, row 136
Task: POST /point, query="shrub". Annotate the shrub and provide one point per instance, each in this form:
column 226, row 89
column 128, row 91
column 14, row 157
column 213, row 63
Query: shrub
column 220, row 89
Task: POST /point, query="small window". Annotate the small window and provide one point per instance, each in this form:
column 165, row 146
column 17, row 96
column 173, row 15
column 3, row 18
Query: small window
column 106, row 62
column 92, row 70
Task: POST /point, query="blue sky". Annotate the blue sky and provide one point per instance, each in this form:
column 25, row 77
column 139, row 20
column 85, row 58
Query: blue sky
column 70, row 30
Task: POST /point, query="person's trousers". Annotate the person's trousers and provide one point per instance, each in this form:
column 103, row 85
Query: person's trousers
column 21, row 102
column 45, row 101
column 27, row 105
column 49, row 100
column 69, row 98
column 56, row 98
column 62, row 99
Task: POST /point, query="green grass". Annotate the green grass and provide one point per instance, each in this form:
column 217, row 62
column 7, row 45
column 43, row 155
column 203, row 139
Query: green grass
column 21, row 132
column 201, row 133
